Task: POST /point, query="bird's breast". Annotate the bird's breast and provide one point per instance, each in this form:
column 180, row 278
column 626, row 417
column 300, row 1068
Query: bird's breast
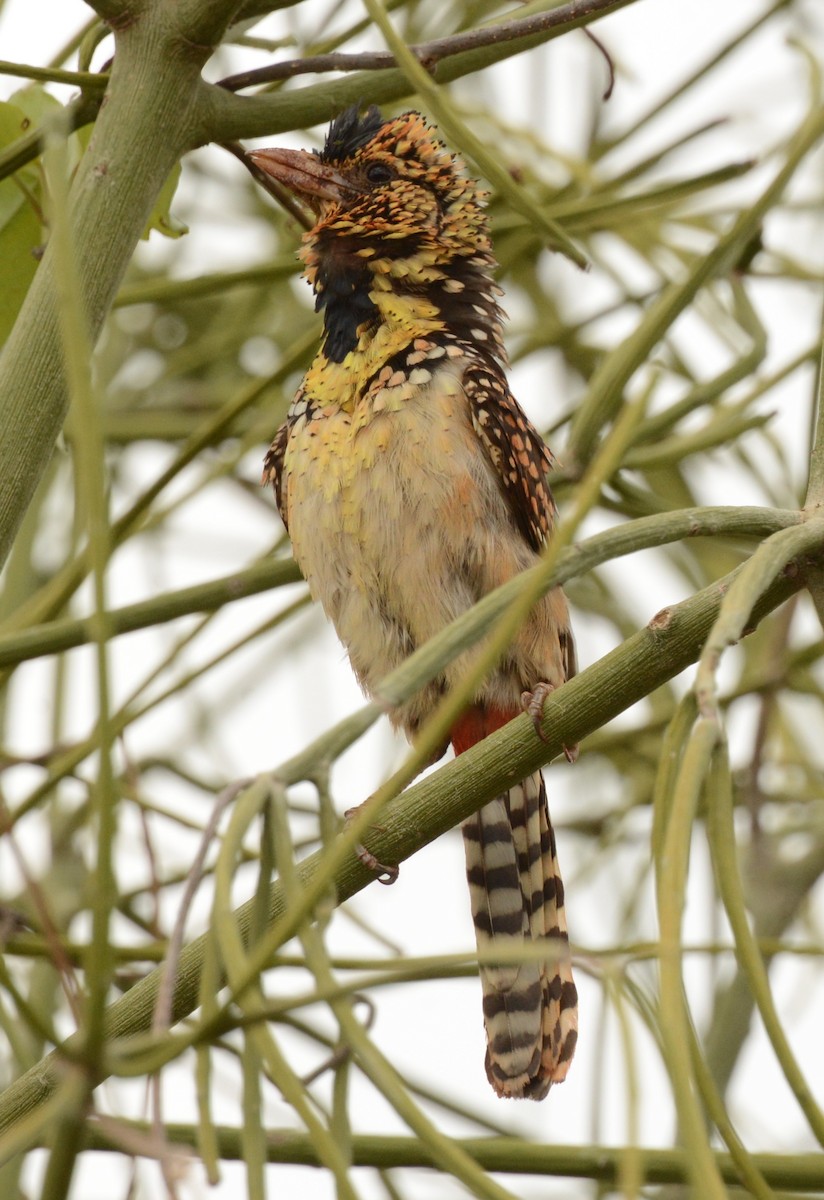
column 361, row 482
column 399, row 523
column 390, row 508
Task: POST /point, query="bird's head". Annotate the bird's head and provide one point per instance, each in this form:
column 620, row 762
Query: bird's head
column 396, row 216
column 381, row 181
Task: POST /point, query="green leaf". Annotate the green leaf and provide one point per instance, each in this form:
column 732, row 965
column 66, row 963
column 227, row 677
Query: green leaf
column 39, row 106
column 20, row 237
column 161, row 217
column 13, row 123
column 35, row 103
column 21, row 233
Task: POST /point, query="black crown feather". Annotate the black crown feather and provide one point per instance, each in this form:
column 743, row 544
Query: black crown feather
column 349, row 131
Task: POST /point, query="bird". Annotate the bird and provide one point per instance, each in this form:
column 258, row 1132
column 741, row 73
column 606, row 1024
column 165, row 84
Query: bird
column 411, row 484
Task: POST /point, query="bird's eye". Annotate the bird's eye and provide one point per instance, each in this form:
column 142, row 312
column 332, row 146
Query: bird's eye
column 378, row 173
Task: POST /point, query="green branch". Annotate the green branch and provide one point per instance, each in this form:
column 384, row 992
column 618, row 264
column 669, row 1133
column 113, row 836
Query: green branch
column 200, row 598
column 507, row 1155
column 815, row 486
column 81, row 79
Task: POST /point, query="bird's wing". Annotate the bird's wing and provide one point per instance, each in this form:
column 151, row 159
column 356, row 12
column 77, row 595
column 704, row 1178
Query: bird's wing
column 516, row 450
column 273, row 471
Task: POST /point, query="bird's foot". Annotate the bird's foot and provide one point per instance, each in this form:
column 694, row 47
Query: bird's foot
column 385, row 875
column 533, row 703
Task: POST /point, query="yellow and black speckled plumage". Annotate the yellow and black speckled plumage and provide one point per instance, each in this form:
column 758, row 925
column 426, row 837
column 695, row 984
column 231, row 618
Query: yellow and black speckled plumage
column 412, row 484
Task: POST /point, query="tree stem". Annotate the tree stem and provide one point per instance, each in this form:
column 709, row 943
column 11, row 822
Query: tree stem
column 143, row 128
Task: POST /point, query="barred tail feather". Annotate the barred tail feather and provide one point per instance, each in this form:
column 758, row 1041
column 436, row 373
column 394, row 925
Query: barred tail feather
column 511, row 991
column 530, row 1008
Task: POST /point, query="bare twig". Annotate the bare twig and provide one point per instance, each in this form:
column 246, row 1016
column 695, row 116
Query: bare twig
column 607, row 57
column 429, row 53
column 275, row 189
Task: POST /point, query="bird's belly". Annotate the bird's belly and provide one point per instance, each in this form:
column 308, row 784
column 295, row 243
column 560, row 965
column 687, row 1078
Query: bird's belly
column 399, row 526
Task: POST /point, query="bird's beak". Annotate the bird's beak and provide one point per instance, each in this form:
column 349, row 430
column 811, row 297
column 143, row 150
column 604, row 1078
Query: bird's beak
column 304, row 174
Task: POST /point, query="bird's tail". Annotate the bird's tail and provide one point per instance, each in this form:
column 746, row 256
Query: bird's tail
column 517, row 897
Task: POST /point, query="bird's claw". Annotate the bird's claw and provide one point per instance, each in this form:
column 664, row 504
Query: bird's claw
column 385, row 875
column 533, row 703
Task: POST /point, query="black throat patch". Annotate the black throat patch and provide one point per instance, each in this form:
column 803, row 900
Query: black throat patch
column 343, row 298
